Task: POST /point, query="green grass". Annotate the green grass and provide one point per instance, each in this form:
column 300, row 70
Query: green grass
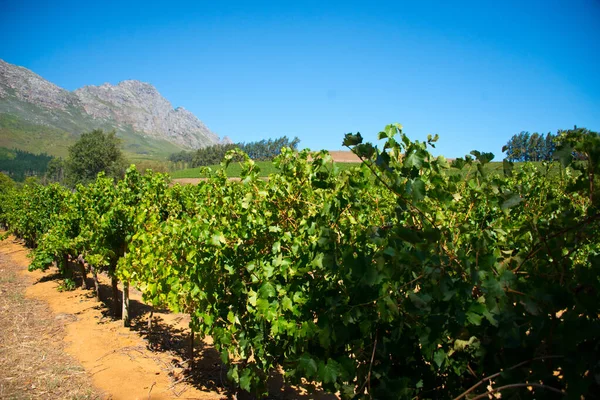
column 496, row 168
column 267, row 168
column 15, row 132
column 347, row 165
column 234, row 170
column 23, row 135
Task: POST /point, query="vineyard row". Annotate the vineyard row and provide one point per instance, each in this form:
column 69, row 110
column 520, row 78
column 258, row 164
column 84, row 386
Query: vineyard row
column 406, row 277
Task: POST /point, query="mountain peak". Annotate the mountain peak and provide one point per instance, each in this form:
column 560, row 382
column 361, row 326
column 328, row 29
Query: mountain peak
column 29, row 87
column 130, row 105
column 135, row 84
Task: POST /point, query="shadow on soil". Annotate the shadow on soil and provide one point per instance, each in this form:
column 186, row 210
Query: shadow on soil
column 206, row 372
column 55, row 276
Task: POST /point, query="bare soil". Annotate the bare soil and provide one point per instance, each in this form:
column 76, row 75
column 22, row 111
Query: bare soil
column 33, row 361
column 67, row 345
column 344, row 156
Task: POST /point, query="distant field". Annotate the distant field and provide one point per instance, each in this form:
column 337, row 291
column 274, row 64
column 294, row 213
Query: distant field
column 267, row 168
column 234, row 170
column 496, row 167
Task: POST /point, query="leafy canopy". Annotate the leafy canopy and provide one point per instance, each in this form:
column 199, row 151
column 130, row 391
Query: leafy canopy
column 95, row 152
column 407, row 277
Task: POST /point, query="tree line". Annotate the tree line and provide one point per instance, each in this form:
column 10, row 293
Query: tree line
column 264, row 150
column 19, row 164
column 525, row 146
column 97, row 151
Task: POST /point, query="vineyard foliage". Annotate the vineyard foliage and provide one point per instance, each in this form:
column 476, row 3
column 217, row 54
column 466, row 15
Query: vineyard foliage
column 395, row 279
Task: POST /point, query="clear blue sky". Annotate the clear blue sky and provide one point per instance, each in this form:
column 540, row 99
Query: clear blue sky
column 474, row 72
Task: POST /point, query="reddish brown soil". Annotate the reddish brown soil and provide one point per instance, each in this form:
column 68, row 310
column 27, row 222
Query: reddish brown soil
column 344, row 156
column 110, row 361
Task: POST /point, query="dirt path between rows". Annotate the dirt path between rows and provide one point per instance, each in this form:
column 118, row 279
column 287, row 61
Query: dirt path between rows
column 33, row 361
column 66, row 345
column 92, row 354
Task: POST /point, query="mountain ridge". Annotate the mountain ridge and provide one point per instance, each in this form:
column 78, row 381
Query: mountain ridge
column 146, row 121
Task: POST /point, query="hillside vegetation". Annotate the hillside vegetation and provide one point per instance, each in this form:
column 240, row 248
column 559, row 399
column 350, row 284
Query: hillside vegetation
column 35, row 138
column 18, row 164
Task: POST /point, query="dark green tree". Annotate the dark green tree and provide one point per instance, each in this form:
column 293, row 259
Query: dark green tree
column 550, row 144
column 56, row 170
column 580, row 148
column 19, row 164
column 525, row 146
column 211, row 155
column 95, row 152
column 516, row 147
column 6, row 183
column 265, row 150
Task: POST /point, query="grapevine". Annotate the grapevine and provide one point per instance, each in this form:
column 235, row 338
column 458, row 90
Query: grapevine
column 406, row 277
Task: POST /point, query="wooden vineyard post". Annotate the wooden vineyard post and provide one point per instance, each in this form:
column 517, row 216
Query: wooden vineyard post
column 115, row 295
column 96, row 283
column 192, row 350
column 150, row 319
column 83, row 270
column 125, row 315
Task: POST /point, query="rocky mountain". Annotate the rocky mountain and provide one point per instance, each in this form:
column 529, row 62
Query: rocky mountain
column 37, row 115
